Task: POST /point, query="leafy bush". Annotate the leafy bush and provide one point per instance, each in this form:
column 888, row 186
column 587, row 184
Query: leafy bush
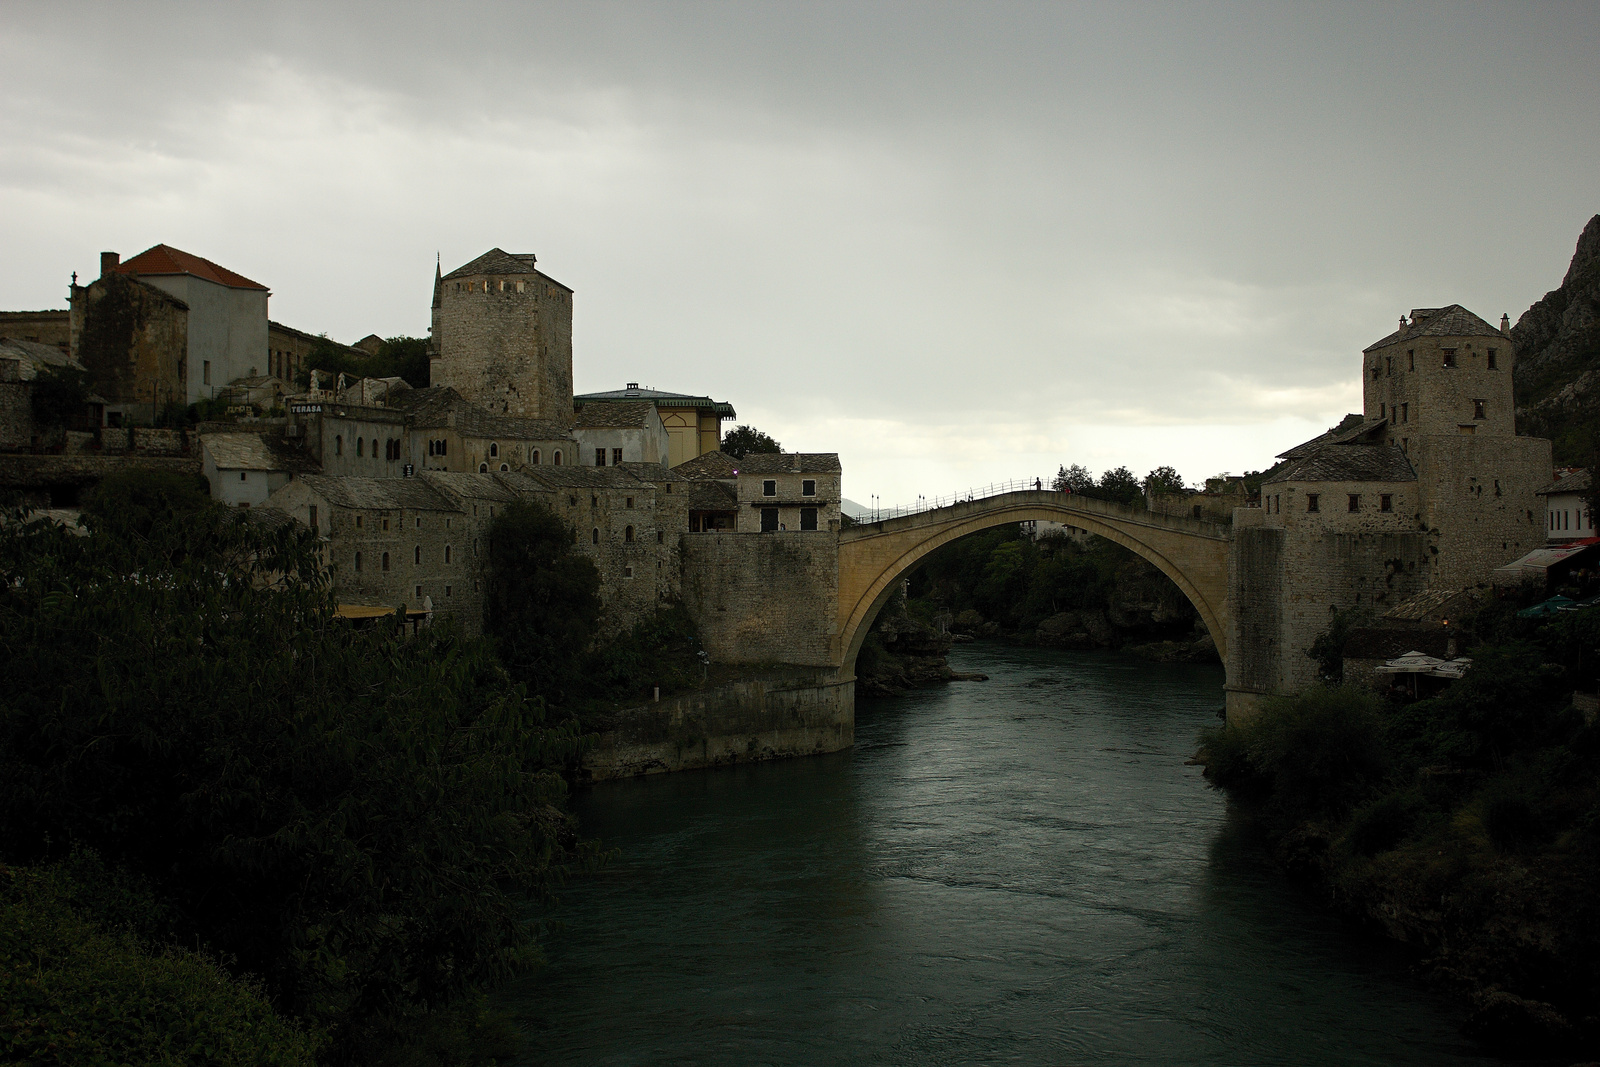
column 73, row 991
column 1384, row 822
column 544, row 599
column 358, row 818
column 661, row 650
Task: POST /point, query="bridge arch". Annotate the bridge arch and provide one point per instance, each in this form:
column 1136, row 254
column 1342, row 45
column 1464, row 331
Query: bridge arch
column 873, row 558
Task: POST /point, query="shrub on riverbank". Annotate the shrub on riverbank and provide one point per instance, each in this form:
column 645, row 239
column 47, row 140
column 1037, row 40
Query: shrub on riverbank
column 1467, row 825
column 359, row 817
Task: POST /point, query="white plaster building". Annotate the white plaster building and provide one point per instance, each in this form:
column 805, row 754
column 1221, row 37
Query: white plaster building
column 1566, row 516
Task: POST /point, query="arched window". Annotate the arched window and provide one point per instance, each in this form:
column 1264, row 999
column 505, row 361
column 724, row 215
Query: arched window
column 483, row 468
column 504, row 467
column 419, row 555
column 338, row 445
column 430, row 447
column 361, row 447
column 534, row 457
column 594, row 535
column 374, row 448
column 627, row 535
column 358, row 563
column 447, row 553
column 558, row 457
column 494, row 450
column 386, row 561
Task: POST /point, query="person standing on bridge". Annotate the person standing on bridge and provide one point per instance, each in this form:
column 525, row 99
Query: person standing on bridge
column 1038, row 484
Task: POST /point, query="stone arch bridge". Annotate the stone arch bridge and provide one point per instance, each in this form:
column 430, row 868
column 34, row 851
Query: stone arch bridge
column 874, row 557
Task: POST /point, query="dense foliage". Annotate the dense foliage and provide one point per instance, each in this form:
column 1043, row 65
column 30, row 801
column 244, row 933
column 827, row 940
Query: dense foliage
column 1468, row 823
column 59, row 397
column 398, row 357
column 740, row 441
column 357, row 816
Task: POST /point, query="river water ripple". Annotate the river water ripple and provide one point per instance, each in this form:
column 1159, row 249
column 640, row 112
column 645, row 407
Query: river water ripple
column 1016, row 871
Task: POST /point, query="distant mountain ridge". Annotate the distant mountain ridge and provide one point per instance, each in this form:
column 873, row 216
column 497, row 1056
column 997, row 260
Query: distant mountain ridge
column 1557, row 375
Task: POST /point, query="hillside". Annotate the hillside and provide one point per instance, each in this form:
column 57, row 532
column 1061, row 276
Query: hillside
column 1558, row 359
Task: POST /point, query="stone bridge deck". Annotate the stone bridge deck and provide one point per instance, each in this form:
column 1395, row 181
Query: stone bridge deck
column 874, row 556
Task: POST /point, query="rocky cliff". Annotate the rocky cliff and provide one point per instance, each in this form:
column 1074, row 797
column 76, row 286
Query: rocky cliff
column 1558, row 359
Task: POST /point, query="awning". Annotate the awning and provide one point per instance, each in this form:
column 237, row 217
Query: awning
column 1431, row 666
column 364, row 611
column 1536, row 563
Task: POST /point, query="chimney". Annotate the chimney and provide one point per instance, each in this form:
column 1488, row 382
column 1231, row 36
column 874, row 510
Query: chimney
column 108, row 263
column 633, row 387
column 1402, row 322
column 1505, row 325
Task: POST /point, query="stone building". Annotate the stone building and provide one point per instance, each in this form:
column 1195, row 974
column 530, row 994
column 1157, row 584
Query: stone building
column 502, row 337
column 52, row 328
column 693, row 424
column 788, row 491
column 225, row 335
column 447, row 432
column 613, row 434
column 357, row 441
column 133, row 340
column 244, row 469
column 1429, row 489
column 1566, row 511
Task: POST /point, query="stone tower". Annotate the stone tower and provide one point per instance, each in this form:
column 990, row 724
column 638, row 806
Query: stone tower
column 502, row 336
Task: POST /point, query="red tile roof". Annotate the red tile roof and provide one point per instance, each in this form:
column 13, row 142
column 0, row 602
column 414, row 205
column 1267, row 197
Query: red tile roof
column 164, row 259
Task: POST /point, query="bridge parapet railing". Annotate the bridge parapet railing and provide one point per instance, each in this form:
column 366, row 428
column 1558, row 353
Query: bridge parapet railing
column 930, row 503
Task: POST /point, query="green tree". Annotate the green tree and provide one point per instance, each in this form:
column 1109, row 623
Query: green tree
column 361, row 818
column 1163, row 479
column 60, row 395
column 740, row 441
column 544, row 598
column 1073, row 479
column 1120, row 485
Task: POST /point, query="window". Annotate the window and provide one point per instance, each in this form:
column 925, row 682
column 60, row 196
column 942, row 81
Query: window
column 808, row 488
column 386, row 561
column 358, row 563
column 1313, row 501
column 504, row 467
column 1405, row 412
column 627, row 534
column 1492, row 354
column 385, row 525
column 630, row 501
column 1377, row 371
column 1388, row 366
column 1197, row 513
column 494, row 450
column 599, row 457
column 205, row 372
column 419, row 593
column 808, row 518
column 594, row 501
column 361, row 446
column 769, row 488
column 534, row 458
column 594, row 536
column 1382, row 412
column 1355, row 501
column 374, row 448
column 1478, row 409
column 447, row 553
column 1449, row 357
column 661, row 537
column 769, row 519
column 419, row 556
column 448, row 590
column 1411, row 359
column 616, row 457
column 338, row 445
column 419, row 522
column 358, row 522
column 313, row 518
column 241, row 476
column 558, row 457
column 627, row 572
column 1385, row 502
column 483, row 468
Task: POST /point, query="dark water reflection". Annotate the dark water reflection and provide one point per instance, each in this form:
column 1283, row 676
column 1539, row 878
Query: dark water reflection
column 1017, row 871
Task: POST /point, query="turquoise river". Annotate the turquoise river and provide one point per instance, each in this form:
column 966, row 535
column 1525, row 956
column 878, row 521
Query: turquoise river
column 1023, row 870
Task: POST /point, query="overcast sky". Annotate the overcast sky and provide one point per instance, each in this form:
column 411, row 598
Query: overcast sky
column 954, row 243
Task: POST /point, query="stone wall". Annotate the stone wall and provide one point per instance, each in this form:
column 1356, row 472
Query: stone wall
column 777, row 717
column 763, row 598
column 133, row 340
column 16, row 411
column 1480, row 502
column 43, row 327
column 506, row 343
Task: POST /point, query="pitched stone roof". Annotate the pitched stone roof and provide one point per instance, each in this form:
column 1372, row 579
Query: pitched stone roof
column 270, row 518
column 788, row 463
column 497, row 261
column 1349, row 463
column 164, row 259
column 1452, row 321
column 712, row 496
column 711, row 465
column 257, row 452
column 431, row 408
column 33, row 354
column 1350, row 425
column 1576, row 482
column 660, row 399
column 581, row 477
column 377, row 494
column 460, row 486
column 613, row 417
